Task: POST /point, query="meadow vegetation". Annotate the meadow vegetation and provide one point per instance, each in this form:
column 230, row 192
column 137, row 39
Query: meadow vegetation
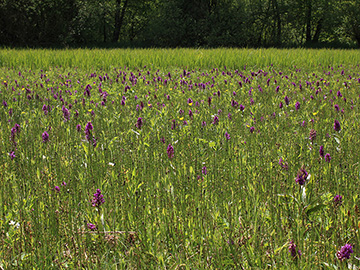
column 179, row 159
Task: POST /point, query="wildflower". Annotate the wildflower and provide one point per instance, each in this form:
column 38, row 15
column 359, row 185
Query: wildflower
column 280, row 105
column 98, row 199
column 292, row 250
column 327, row 157
column 337, row 108
column 66, row 113
column 241, row 107
column 78, row 127
column 170, row 151
column 344, row 252
column 204, row 170
column 337, row 126
column 91, row 226
column 337, row 200
column 312, row 135
column 321, row 151
column 229, row 116
column 227, row 136
column 45, row 109
column 302, row 176
column 287, row 101
column 57, row 188
column 252, row 129
column 87, row 130
column 139, row 123
column 297, row 105
column 87, row 91
column 191, row 114
column 12, row 155
column 216, row 120
column 45, row 137
column 203, row 123
column 17, row 128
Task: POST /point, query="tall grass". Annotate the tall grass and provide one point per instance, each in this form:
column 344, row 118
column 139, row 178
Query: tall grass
column 185, row 58
column 219, row 202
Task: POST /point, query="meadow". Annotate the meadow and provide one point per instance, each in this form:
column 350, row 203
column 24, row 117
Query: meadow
column 179, row 159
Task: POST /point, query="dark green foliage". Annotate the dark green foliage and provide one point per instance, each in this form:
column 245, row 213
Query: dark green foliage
column 180, row 23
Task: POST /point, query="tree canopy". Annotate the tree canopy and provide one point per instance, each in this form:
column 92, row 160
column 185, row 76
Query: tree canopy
column 180, row 23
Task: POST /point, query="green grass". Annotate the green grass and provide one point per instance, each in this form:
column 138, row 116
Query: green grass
column 162, row 212
column 165, row 58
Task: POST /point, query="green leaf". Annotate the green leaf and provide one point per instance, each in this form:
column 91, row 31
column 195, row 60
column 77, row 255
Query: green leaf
column 315, row 209
column 86, row 149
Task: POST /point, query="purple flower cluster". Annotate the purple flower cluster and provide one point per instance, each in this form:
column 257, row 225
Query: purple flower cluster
column 312, row 135
column 12, row 155
column 139, row 123
column 88, row 129
column 204, row 170
column 66, row 113
column 45, row 137
column 327, row 157
column 216, row 120
column 15, row 130
column 337, row 126
column 337, row 200
column 170, row 151
column 301, row 176
column 344, row 252
column 91, row 226
column 98, row 199
column 292, row 250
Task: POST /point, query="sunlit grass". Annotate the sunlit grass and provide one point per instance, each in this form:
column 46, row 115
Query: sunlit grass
column 220, row 201
column 106, row 59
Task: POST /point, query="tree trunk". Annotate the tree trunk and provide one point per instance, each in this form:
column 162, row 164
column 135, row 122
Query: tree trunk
column 278, row 22
column 119, row 18
column 318, row 31
column 308, row 20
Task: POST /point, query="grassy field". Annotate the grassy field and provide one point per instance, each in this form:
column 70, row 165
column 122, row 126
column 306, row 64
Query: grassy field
column 106, row 59
column 179, row 159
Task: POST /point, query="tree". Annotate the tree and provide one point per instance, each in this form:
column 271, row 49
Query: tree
column 120, row 10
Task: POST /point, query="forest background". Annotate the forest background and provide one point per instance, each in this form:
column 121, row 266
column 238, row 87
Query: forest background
column 180, row 23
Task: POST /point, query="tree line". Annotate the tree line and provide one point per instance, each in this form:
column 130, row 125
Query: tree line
column 180, row 23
